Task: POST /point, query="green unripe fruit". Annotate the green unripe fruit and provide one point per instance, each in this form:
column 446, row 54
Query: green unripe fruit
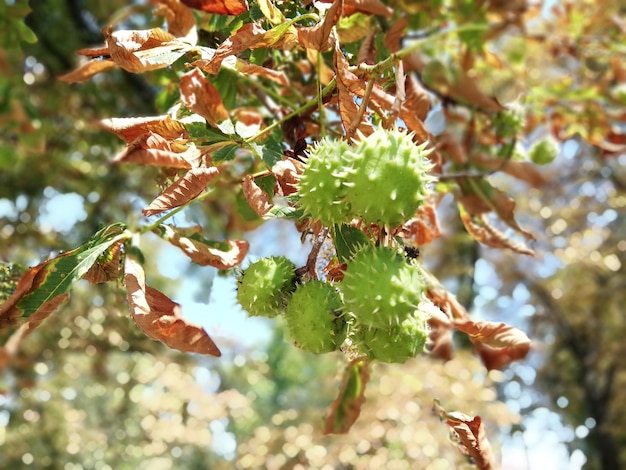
column 544, row 151
column 321, row 187
column 395, row 344
column 265, row 286
column 380, row 288
column 387, row 178
column 312, row 318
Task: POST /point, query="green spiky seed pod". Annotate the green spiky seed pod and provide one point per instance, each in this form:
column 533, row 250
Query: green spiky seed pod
column 387, row 177
column 395, row 344
column 265, row 286
column 380, row 288
column 321, row 187
column 312, row 318
column 544, row 151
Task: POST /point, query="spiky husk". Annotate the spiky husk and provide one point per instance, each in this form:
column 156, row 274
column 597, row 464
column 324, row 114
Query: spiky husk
column 394, row 344
column 266, row 285
column 380, row 288
column 321, row 187
column 313, row 318
column 387, row 177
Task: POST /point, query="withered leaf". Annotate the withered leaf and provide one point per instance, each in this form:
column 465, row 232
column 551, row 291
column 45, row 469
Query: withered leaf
column 220, row 255
column 251, row 69
column 287, row 175
column 347, row 82
column 183, row 190
column 47, row 309
column 201, row 97
column 180, row 20
column 472, row 435
column 346, row 408
column 107, row 267
column 160, row 318
column 506, row 343
column 257, row 199
column 218, row 7
column 140, row 152
column 9, row 313
column 525, row 171
column 373, row 7
column 129, row 129
column 423, row 228
column 143, row 50
column 317, row 37
column 481, row 231
column 87, row 70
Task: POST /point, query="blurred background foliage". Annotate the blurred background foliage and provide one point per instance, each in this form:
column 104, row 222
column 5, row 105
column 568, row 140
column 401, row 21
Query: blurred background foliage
column 89, row 391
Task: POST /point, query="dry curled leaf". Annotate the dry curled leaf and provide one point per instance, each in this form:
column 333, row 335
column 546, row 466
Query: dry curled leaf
column 183, row 190
column 499, row 343
column 201, row 97
column 481, row 231
column 423, row 228
column 107, row 267
column 219, row 7
column 152, row 149
column 317, row 37
column 180, row 20
column 87, row 70
column 160, row 318
column 287, row 175
column 257, row 199
column 346, row 408
column 220, row 255
column 471, row 434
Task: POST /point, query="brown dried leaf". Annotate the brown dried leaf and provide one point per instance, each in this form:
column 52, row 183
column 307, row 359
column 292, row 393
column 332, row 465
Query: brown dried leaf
column 219, row 7
column 129, row 129
column 423, row 228
column 249, row 36
column 47, row 309
column 107, row 267
column 346, row 408
column 347, row 83
column 372, row 7
column 87, row 70
column 180, row 20
column 9, row 313
column 472, row 435
column 318, row 37
column 417, row 100
column 491, row 199
column 481, row 231
column 449, row 144
column 145, row 151
column 525, row 171
column 395, row 34
column 143, row 50
column 201, row 97
column 257, row 199
column 498, row 343
column 183, row 190
column 287, row 174
column 160, row 318
column 100, row 51
column 220, row 255
column 251, row 69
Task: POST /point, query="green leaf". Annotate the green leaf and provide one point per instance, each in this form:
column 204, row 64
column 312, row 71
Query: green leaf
column 284, row 212
column 226, row 153
column 348, row 240
column 58, row 275
column 271, row 151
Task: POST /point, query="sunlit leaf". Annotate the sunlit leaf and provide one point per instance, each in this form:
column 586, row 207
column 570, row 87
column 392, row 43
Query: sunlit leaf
column 472, row 434
column 346, row 408
column 483, row 232
column 202, row 98
column 220, row 255
column 317, row 37
column 55, row 277
column 183, row 190
column 160, row 318
column 219, row 7
column 258, row 199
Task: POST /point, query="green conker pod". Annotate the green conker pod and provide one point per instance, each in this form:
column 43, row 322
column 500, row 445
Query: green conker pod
column 266, row 285
column 387, row 177
column 380, row 288
column 313, row 318
column 395, row 344
column 544, row 151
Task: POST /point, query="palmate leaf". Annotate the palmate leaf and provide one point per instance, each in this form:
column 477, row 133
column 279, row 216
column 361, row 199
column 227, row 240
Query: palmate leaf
column 56, row 276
